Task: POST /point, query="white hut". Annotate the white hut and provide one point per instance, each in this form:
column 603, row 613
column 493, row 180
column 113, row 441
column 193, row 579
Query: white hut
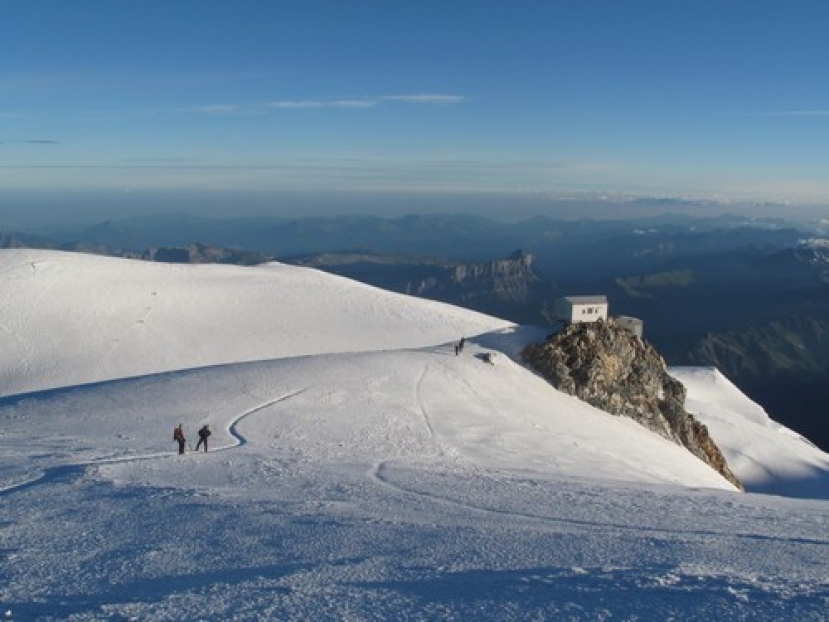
column 575, row 309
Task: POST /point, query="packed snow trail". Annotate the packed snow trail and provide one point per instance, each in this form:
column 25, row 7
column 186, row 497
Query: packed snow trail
column 380, row 473
column 233, row 427
column 72, row 471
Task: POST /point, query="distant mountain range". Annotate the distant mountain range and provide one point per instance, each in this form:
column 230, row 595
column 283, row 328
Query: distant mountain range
column 508, row 287
column 750, row 296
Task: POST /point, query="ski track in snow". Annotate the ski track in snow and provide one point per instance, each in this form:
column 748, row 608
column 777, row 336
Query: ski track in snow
column 424, row 414
column 233, row 427
column 377, row 473
column 71, row 471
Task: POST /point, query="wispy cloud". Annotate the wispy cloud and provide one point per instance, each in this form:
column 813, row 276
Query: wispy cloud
column 418, row 98
column 258, row 108
column 426, row 98
column 322, row 103
column 295, row 103
column 353, row 103
column 213, row 109
column 31, row 141
column 161, row 161
column 796, row 113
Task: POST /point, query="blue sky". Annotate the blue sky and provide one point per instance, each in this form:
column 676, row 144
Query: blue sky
column 725, row 98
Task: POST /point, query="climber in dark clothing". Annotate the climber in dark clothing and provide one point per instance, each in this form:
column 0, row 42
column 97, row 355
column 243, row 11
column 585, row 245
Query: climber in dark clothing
column 178, row 436
column 204, row 432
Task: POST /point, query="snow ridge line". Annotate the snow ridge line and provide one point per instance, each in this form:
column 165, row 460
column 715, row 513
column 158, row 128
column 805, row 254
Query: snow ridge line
column 63, row 471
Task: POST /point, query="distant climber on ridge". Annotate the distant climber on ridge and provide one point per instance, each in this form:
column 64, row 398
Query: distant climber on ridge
column 459, row 346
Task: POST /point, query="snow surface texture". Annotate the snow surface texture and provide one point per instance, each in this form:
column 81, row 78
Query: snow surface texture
column 358, row 469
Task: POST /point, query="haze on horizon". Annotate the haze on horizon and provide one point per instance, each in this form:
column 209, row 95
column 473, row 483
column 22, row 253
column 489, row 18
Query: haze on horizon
column 110, row 109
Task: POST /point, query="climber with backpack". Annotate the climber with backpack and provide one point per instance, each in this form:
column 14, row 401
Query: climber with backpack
column 178, row 436
column 204, row 433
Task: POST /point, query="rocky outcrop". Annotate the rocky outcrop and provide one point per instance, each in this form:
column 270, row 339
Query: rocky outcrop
column 203, row 253
column 509, row 280
column 610, row 368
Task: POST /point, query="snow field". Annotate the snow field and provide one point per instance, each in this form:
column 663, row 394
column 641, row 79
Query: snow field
column 72, row 319
column 363, row 472
column 768, row 457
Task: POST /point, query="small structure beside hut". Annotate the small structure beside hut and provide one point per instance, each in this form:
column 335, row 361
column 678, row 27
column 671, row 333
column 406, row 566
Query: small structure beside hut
column 633, row 324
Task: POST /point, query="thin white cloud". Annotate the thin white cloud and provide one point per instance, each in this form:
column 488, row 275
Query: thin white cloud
column 322, row 103
column 213, row 109
column 426, row 98
column 293, row 103
column 253, row 108
column 797, row 113
column 353, row 103
column 31, row 141
column 779, row 189
column 419, row 98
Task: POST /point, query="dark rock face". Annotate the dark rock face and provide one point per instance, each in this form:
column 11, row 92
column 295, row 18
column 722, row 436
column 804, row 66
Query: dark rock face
column 610, row 368
column 509, row 280
column 202, row 253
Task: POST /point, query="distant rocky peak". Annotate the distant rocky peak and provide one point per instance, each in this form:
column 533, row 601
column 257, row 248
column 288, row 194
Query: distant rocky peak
column 204, row 253
column 612, row 369
column 814, row 251
column 814, row 244
column 509, row 279
column 526, row 259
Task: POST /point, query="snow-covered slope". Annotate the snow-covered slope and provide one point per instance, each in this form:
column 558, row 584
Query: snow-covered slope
column 767, row 456
column 70, row 318
column 363, row 471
